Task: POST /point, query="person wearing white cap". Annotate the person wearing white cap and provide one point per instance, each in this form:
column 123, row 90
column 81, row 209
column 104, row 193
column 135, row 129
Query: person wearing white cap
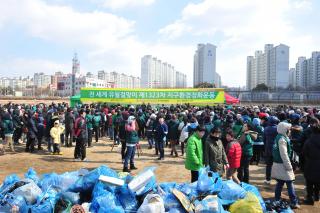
column 282, row 169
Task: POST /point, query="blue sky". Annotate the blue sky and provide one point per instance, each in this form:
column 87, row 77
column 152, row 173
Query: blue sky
column 42, row 35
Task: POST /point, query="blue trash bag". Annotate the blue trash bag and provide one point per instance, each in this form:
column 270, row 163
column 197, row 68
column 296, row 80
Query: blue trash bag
column 106, row 203
column 171, row 202
column 11, row 200
column 30, row 191
column 32, row 174
column 167, row 187
column 127, row 199
column 208, row 184
column 177, row 210
column 50, row 180
column 101, row 188
column 46, row 201
column 87, row 182
column 9, row 180
column 46, row 206
column 189, row 189
column 73, row 197
column 254, row 190
column 68, row 179
column 231, row 192
column 209, row 205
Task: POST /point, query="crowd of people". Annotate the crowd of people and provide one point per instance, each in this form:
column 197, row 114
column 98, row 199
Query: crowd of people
column 228, row 139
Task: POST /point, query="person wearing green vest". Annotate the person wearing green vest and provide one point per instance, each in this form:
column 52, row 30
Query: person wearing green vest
column 282, row 169
column 89, row 120
column 131, row 141
column 238, row 127
column 246, row 142
column 96, row 124
column 194, row 158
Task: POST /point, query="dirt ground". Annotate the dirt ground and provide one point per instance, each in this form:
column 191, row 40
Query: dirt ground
column 171, row 169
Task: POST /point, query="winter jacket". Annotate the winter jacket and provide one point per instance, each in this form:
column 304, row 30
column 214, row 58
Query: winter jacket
column 161, row 132
column 113, row 119
column 296, row 133
column 234, row 153
column 55, row 133
column 69, row 121
column 80, row 128
column 214, row 155
column 141, row 121
column 173, row 132
column 311, row 152
column 7, row 126
column 132, row 137
column 40, row 125
column 246, row 142
column 208, row 127
column 122, row 130
column 259, row 141
column 237, row 129
column 150, row 127
column 217, row 123
column 96, row 120
column 306, row 134
column 17, row 121
column 32, row 129
column 184, row 133
column 89, row 121
column 269, row 135
column 50, row 123
column 109, row 120
column 194, row 158
column 282, row 171
column 116, row 120
column 276, row 155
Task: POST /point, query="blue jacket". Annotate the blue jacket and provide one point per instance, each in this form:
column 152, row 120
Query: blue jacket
column 32, row 128
column 269, row 135
column 161, row 132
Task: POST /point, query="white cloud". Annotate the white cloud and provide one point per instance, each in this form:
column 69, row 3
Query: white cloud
column 119, row 4
column 175, row 30
column 109, row 40
column 24, row 67
column 244, row 26
column 64, row 25
column 88, row 32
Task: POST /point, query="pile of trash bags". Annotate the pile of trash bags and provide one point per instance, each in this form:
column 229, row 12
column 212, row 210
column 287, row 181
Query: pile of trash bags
column 105, row 190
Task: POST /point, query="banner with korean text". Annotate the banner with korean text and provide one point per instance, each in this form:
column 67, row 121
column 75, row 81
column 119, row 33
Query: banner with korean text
column 202, row 96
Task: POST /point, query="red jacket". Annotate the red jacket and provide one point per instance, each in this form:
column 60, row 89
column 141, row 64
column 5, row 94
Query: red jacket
column 234, row 153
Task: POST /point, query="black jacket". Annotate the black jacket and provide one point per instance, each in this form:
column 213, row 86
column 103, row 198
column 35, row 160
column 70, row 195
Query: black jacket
column 32, row 128
column 69, row 121
column 311, row 151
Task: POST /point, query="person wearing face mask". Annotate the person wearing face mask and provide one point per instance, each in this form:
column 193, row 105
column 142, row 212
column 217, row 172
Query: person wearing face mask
column 194, row 158
column 214, row 153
